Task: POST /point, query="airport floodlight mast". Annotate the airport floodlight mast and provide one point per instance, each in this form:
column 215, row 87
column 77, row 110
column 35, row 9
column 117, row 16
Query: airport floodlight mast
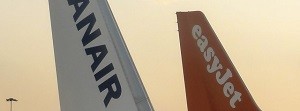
column 11, row 100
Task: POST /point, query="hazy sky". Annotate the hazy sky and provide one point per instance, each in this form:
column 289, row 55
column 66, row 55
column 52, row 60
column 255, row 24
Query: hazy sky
column 261, row 38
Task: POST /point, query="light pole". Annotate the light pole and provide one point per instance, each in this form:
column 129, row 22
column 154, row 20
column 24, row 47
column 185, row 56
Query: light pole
column 11, row 100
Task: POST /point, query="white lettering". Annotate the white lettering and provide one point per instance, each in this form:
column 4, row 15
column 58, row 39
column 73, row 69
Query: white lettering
column 236, row 97
column 228, row 89
column 209, row 54
column 216, row 66
column 197, row 32
column 225, row 77
column 202, row 43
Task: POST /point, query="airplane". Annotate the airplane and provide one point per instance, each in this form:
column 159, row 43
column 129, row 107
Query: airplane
column 94, row 69
column 211, row 81
column 96, row 73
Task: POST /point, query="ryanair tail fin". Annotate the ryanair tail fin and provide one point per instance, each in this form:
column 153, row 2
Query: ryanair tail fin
column 211, row 81
column 94, row 69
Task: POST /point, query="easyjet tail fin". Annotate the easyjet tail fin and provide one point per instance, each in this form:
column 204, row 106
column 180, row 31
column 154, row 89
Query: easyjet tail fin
column 211, row 81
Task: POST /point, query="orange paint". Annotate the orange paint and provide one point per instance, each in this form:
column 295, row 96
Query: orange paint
column 211, row 81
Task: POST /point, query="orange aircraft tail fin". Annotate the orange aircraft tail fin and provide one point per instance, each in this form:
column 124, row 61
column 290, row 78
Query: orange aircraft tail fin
column 211, row 81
